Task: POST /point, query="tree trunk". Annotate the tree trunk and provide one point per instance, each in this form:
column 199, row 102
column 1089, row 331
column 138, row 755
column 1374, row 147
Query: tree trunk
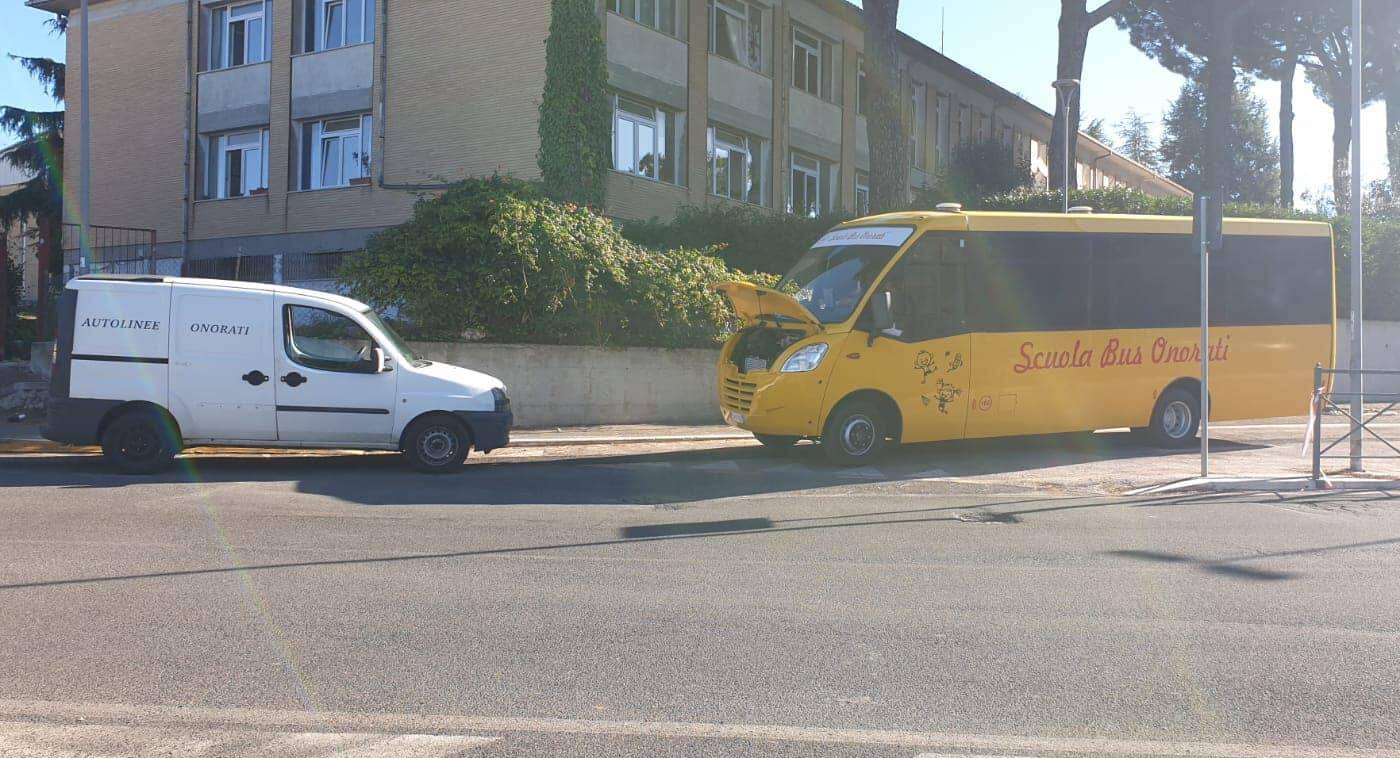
column 1341, row 151
column 1285, row 132
column 1074, row 39
column 888, row 140
column 1220, row 93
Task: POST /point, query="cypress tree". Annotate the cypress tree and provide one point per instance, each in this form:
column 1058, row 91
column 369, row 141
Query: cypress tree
column 576, row 112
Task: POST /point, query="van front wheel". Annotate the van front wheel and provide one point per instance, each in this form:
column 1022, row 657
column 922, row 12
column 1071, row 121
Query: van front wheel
column 139, row 442
column 855, row 434
column 436, row 444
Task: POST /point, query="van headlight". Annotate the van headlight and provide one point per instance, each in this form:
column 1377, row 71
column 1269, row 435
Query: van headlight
column 805, row 359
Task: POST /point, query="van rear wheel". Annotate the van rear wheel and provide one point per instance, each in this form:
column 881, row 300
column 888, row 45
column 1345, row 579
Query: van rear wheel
column 139, row 442
column 855, row 434
column 436, row 444
column 1175, row 420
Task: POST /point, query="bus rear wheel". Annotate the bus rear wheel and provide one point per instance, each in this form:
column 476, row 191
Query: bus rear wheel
column 1175, row 420
column 855, row 434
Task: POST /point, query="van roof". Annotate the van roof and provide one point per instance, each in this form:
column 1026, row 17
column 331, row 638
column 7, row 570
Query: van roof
column 1014, row 221
column 76, row 283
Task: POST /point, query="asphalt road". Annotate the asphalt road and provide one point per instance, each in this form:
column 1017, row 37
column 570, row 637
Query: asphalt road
column 708, row 603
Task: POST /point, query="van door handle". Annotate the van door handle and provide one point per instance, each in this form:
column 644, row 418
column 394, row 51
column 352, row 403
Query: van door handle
column 294, row 379
column 255, row 377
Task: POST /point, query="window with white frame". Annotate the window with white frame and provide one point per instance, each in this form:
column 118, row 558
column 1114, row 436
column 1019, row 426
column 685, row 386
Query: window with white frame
column 328, row 24
column 658, row 14
column 862, row 193
column 804, row 194
column 646, row 140
column 811, row 64
column 238, row 34
column 918, row 137
column 236, row 165
column 737, row 163
column 736, row 32
column 336, row 152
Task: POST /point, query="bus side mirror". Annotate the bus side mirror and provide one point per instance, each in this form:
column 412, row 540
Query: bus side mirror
column 880, row 315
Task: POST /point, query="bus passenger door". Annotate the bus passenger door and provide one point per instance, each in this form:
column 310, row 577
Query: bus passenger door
column 922, row 359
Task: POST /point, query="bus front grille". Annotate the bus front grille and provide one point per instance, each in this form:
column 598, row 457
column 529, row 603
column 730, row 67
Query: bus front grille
column 737, row 395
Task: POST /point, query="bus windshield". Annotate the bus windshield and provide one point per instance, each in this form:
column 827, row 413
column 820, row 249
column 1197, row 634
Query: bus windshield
column 830, row 281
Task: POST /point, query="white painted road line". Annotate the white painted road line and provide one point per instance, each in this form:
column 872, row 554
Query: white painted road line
column 230, row 720
column 46, row 740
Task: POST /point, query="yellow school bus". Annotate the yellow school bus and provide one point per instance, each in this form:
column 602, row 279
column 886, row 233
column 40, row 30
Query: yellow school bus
column 926, row 326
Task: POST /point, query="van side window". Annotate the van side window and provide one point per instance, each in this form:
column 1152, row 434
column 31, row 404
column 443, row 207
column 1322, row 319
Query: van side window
column 321, row 339
column 926, row 290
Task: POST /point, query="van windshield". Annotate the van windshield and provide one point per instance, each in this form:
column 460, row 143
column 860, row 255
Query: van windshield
column 830, row 281
column 393, row 337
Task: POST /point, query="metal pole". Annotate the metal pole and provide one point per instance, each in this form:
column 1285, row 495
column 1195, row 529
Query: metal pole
column 1203, row 208
column 85, row 147
column 1357, row 363
column 1066, row 89
column 1317, row 423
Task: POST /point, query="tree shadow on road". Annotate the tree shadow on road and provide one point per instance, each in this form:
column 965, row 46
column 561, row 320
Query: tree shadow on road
column 666, row 478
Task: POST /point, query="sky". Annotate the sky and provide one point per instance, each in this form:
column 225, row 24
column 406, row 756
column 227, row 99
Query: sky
column 1011, row 42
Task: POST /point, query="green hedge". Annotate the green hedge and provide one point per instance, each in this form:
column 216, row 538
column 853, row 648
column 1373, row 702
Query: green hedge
column 495, row 256
column 746, row 238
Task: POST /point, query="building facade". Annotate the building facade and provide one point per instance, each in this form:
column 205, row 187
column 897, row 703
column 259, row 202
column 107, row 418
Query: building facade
column 241, row 130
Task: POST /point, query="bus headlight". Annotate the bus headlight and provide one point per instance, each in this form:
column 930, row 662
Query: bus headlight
column 806, row 359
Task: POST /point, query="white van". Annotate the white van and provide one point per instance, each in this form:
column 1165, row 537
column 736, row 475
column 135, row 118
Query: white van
column 146, row 365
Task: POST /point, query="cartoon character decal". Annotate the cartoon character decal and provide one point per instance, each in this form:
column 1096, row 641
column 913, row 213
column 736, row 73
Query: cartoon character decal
column 947, row 393
column 924, row 362
column 955, row 362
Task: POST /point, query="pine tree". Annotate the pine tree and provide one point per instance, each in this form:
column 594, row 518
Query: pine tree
column 1252, row 172
column 576, row 110
column 1135, row 139
column 1097, row 129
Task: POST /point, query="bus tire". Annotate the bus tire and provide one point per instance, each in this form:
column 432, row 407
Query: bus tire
column 139, row 441
column 436, row 444
column 1175, row 420
column 776, row 441
column 855, row 434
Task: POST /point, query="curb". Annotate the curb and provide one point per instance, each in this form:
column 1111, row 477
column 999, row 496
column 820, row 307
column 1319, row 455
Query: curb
column 45, row 447
column 1267, row 484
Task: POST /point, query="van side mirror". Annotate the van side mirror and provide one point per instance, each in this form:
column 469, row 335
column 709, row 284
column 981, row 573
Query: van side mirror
column 381, row 362
column 880, row 315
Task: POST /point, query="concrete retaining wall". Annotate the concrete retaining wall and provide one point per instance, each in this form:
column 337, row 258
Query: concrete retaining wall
column 41, row 358
column 555, row 385
column 1382, row 352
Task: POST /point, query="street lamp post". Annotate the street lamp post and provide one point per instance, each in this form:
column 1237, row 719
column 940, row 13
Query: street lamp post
column 1066, row 90
column 1356, row 383
column 85, row 148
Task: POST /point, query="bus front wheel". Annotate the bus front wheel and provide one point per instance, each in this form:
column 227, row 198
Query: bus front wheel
column 1176, row 419
column 855, row 434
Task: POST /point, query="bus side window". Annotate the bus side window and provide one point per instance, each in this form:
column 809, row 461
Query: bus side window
column 926, row 292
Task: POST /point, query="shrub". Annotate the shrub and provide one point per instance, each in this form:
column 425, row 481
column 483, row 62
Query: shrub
column 975, row 170
column 495, row 256
column 575, row 125
column 745, row 237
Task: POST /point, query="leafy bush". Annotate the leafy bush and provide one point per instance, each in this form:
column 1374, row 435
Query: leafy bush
column 495, row 256
column 975, row 170
column 575, row 125
column 745, row 237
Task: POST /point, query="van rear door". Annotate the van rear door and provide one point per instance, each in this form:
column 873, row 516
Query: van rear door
column 221, row 365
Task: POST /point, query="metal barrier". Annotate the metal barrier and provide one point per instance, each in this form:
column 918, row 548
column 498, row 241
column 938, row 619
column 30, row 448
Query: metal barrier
column 114, row 250
column 1325, row 398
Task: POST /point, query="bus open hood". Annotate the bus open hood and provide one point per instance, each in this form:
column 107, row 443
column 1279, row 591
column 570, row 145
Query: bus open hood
column 754, row 304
